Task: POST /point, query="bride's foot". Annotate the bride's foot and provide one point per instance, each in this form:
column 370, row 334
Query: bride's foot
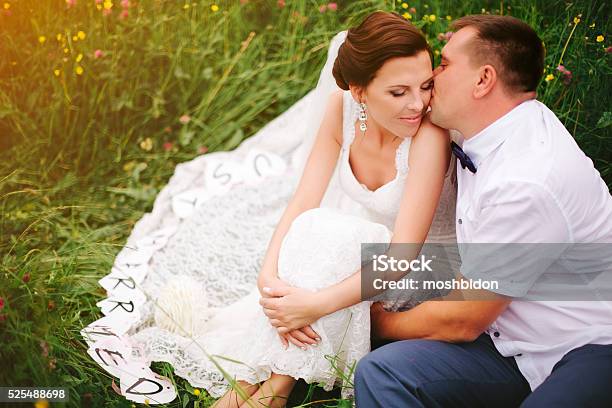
column 231, row 399
column 273, row 393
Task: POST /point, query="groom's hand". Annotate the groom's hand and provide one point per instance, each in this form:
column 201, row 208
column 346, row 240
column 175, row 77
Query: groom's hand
column 378, row 317
column 290, row 308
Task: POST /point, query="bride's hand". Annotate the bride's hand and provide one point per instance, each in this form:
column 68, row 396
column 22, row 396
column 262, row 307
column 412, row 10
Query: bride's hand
column 300, row 337
column 274, row 283
column 290, row 308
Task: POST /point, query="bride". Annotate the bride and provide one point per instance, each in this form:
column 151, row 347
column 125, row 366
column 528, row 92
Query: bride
column 378, row 171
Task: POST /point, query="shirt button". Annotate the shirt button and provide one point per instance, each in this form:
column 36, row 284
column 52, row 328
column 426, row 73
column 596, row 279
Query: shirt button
column 496, row 334
column 460, row 221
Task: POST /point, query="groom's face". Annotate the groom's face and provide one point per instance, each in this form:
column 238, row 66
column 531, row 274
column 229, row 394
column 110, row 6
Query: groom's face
column 454, row 81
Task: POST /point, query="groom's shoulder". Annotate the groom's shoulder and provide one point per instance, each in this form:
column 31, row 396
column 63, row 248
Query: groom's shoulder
column 540, row 151
column 538, row 145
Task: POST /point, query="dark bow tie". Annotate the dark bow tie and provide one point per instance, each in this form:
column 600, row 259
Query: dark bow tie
column 463, row 158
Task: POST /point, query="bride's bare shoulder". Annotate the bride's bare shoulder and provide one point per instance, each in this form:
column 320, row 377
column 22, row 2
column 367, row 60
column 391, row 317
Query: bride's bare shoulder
column 336, row 100
column 334, row 114
column 429, row 130
column 428, row 139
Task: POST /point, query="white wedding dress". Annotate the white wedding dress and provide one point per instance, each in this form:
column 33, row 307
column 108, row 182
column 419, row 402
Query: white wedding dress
column 218, row 246
column 321, row 248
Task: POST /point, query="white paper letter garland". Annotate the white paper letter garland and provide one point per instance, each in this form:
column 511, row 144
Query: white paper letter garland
column 109, row 345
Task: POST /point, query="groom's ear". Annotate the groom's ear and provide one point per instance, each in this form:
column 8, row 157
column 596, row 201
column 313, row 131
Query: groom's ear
column 487, row 79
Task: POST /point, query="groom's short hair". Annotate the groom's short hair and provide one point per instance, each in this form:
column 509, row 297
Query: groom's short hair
column 510, row 45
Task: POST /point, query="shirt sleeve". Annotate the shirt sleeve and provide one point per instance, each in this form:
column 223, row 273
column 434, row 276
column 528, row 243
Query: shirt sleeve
column 518, row 232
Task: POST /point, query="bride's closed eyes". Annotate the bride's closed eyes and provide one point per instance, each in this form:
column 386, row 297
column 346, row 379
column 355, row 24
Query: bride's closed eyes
column 426, row 87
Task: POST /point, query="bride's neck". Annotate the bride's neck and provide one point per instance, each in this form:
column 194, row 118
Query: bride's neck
column 379, row 135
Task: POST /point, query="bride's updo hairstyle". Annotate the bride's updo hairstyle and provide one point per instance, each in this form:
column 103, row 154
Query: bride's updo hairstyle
column 381, row 36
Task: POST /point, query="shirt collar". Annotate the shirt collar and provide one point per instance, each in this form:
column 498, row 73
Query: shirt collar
column 479, row 146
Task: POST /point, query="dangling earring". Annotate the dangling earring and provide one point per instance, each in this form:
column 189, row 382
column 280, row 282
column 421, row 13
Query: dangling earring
column 363, row 116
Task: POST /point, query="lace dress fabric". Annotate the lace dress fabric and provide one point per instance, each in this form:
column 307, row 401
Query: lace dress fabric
column 222, row 245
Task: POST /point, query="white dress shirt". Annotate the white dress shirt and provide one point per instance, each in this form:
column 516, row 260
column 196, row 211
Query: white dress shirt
column 534, row 185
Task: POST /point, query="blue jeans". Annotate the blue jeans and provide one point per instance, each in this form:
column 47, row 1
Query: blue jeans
column 429, row 373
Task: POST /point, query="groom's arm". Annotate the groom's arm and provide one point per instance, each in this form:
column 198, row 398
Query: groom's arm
column 465, row 320
column 451, row 320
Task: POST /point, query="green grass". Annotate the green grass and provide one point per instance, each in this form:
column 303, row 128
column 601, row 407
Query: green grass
column 82, row 156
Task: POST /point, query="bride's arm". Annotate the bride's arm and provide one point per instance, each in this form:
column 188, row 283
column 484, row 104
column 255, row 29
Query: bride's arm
column 313, row 183
column 428, row 161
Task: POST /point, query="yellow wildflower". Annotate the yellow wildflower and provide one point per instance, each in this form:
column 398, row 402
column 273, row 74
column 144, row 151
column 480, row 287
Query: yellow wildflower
column 42, row 39
column 576, row 20
column 66, row 50
column 186, row 6
column 59, row 36
column 108, row 4
column 79, row 58
column 600, row 38
column 7, row 6
column 436, row 52
column 407, row 16
column 404, row 5
column 75, row 38
column 214, row 8
column 549, row 77
column 196, row 392
column 81, row 35
column 43, row 403
column 146, row 144
column 449, row 18
column 79, row 70
column 129, row 166
column 432, row 18
column 592, row 25
column 99, row 6
column 56, row 72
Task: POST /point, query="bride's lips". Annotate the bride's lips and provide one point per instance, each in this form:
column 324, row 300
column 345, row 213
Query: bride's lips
column 411, row 120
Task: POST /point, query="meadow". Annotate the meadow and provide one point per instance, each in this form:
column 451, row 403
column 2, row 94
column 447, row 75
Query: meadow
column 100, row 99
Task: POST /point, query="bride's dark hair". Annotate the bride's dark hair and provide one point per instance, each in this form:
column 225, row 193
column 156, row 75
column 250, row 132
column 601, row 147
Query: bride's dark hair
column 381, row 36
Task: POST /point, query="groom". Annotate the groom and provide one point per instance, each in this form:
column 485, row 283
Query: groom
column 528, row 182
